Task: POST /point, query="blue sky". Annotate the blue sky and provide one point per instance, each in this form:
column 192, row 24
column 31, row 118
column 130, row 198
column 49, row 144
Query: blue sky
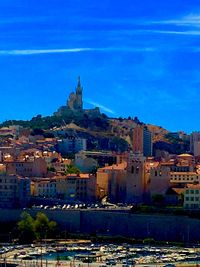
column 137, row 58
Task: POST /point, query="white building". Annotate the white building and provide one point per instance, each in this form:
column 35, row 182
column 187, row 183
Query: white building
column 72, row 145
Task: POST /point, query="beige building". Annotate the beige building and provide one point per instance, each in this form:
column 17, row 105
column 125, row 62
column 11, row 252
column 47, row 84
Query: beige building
column 159, row 180
column 103, row 177
column 184, row 177
column 35, row 168
column 136, row 179
column 74, row 187
column 44, row 188
column 111, row 182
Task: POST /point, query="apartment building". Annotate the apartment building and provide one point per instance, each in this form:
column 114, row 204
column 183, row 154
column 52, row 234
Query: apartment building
column 14, row 191
column 71, row 145
column 142, row 140
column 28, row 168
column 80, row 187
column 44, row 188
column 192, row 197
column 184, row 177
column 111, row 182
column 195, row 143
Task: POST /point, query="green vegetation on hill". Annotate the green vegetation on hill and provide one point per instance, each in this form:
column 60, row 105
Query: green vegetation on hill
column 48, row 122
column 101, row 132
column 96, row 130
column 173, row 145
column 172, row 148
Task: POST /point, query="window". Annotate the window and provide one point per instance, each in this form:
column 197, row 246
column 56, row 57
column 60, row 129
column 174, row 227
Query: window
column 192, row 199
column 132, row 169
column 137, row 170
column 192, row 191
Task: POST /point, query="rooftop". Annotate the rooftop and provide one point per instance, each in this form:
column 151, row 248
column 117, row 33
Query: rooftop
column 185, row 155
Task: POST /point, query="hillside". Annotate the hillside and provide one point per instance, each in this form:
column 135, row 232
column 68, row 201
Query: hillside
column 158, row 133
column 101, row 132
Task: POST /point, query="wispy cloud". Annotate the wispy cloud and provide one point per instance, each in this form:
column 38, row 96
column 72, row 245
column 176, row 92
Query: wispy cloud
column 95, row 104
column 189, row 20
column 26, row 52
column 192, row 20
column 129, row 49
column 42, row 51
column 174, row 32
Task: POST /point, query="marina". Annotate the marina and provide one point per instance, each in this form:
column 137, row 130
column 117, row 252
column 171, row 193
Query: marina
column 97, row 254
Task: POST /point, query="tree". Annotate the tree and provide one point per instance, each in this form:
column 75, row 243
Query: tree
column 37, row 131
column 43, row 227
column 72, row 169
column 26, row 228
column 30, row 229
column 136, row 120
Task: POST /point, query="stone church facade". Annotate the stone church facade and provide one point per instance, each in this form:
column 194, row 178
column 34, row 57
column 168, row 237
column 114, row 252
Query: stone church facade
column 74, row 104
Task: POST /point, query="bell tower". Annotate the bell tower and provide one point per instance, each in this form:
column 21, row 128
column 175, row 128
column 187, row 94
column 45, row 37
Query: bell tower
column 135, row 178
column 79, row 95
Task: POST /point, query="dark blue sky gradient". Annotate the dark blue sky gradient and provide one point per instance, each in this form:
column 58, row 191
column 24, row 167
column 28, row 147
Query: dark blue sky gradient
column 137, row 58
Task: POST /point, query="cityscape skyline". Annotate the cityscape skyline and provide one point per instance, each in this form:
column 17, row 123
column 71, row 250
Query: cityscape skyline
column 144, row 56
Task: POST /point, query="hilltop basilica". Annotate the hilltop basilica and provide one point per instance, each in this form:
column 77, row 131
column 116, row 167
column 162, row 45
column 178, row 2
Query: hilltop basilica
column 74, row 105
